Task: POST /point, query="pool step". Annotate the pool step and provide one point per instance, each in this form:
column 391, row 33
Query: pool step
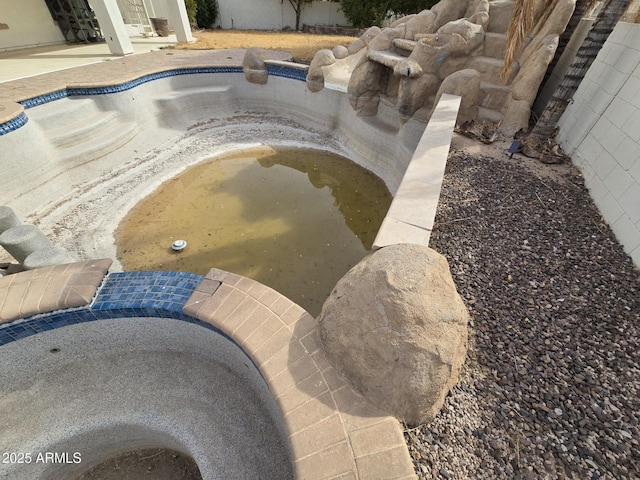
column 177, row 101
column 493, row 96
column 53, row 115
column 80, row 130
column 488, row 67
column 100, row 142
column 495, row 45
column 71, row 134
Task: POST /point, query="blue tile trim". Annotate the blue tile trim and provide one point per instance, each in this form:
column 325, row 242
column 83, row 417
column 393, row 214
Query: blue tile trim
column 122, row 295
column 20, row 120
column 13, row 124
column 122, row 87
column 42, row 99
column 287, row 72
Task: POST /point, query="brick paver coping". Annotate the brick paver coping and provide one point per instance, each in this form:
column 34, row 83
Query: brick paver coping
column 333, row 432
column 53, row 288
column 115, row 72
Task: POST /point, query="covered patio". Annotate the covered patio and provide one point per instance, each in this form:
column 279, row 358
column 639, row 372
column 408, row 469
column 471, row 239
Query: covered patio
column 111, row 27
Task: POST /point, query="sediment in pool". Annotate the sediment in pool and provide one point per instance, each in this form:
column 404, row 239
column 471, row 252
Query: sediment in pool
column 294, row 219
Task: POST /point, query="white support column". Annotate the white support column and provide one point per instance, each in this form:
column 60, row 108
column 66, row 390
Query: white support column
column 179, row 20
column 112, row 26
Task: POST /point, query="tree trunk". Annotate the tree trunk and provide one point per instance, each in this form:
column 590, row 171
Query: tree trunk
column 298, row 5
column 582, row 7
column 603, row 26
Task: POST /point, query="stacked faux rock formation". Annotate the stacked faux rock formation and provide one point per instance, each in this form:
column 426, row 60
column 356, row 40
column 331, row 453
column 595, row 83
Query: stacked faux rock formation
column 27, row 244
column 396, row 327
column 456, row 47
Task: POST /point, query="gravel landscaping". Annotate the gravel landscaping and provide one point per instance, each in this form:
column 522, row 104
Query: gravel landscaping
column 551, row 384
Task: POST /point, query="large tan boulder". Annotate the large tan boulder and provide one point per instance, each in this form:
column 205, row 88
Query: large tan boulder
column 448, row 10
column 422, row 23
column 396, row 327
column 254, row 67
column 414, row 92
column 478, row 12
column 364, row 40
column 472, row 34
column 384, row 40
column 365, row 85
column 315, row 75
column 340, row 52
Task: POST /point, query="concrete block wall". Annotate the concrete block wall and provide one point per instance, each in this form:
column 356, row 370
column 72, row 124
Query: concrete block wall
column 276, row 14
column 600, row 130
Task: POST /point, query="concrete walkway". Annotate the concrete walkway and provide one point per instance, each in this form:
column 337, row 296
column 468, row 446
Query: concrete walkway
column 23, row 63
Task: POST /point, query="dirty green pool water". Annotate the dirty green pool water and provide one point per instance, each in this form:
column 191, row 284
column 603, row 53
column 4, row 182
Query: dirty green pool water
column 293, row 219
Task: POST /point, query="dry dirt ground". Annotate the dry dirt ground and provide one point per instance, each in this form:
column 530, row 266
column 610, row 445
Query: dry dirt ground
column 302, row 46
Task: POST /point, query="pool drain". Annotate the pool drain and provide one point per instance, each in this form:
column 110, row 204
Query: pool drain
column 178, row 245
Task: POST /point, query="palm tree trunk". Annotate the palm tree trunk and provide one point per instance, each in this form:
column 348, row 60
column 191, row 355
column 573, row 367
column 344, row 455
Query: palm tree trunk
column 582, row 7
column 603, row 26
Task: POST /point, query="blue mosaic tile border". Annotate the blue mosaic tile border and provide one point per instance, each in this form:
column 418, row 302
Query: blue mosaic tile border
column 42, row 99
column 123, row 295
column 287, row 72
column 13, row 124
column 122, row 87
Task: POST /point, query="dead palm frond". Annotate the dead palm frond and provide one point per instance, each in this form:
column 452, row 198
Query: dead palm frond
column 523, row 20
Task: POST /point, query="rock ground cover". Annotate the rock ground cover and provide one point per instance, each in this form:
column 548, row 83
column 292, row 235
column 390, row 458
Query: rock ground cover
column 551, row 384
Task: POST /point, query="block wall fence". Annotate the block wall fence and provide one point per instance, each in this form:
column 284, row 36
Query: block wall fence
column 600, row 130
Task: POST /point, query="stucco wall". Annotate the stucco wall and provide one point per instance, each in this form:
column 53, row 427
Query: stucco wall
column 600, row 130
column 157, row 8
column 27, row 23
column 276, row 14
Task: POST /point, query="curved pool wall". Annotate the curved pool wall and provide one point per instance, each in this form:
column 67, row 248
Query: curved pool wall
column 136, row 383
column 130, row 370
column 82, row 161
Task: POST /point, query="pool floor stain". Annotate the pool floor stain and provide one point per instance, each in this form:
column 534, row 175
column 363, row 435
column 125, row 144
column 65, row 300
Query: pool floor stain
column 293, row 219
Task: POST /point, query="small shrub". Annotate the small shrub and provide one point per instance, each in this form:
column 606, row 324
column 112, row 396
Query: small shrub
column 192, row 8
column 206, row 13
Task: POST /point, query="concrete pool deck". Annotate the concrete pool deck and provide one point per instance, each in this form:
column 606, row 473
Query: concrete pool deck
column 28, row 62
